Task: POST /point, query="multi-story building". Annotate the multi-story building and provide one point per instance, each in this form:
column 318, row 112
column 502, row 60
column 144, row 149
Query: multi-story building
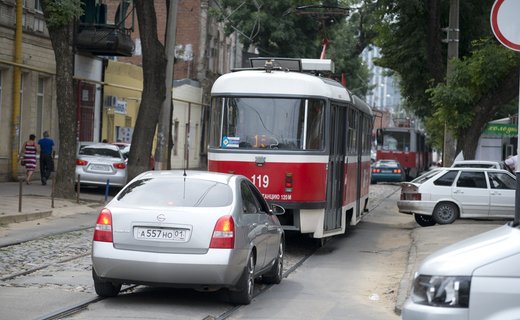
column 384, row 93
column 203, row 52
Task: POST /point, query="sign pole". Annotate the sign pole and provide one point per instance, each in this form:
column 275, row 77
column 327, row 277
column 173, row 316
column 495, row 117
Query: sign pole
column 505, row 27
column 517, row 169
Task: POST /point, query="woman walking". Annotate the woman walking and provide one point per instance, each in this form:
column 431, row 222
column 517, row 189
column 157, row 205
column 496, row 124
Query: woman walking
column 29, row 152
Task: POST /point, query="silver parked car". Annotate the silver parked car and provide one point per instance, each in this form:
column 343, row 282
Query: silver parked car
column 475, row 279
column 97, row 163
column 445, row 194
column 195, row 229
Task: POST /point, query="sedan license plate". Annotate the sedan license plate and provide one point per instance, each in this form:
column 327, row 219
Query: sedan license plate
column 161, row 234
column 99, row 167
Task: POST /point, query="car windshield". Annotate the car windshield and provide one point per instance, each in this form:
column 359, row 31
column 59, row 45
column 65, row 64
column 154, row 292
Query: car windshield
column 177, row 192
column 99, row 151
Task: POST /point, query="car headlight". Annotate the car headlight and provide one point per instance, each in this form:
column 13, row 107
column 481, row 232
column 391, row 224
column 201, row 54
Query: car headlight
column 439, row 291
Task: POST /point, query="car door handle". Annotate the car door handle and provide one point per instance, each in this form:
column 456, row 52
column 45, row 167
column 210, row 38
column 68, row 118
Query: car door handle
column 458, row 192
column 494, row 193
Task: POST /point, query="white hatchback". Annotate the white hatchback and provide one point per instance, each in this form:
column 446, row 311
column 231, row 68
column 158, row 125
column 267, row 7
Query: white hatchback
column 445, row 194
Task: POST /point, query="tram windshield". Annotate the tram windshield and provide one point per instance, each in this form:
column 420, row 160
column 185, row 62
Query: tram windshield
column 396, row 141
column 268, row 123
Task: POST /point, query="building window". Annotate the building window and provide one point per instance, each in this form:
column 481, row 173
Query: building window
column 38, row 6
column 40, row 106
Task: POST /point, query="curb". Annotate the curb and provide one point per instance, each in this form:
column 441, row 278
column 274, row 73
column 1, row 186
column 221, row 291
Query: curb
column 21, row 217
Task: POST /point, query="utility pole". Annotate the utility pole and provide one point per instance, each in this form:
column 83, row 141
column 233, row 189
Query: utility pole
column 452, row 38
column 15, row 128
column 162, row 156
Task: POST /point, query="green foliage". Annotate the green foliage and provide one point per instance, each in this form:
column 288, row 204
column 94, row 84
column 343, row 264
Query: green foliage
column 279, row 29
column 274, row 28
column 60, row 13
column 473, row 78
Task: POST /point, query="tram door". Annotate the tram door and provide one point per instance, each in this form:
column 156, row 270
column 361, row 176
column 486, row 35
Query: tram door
column 335, row 168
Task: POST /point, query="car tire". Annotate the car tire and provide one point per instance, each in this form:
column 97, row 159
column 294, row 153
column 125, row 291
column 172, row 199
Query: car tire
column 424, row 220
column 246, row 284
column 445, row 213
column 275, row 275
column 105, row 288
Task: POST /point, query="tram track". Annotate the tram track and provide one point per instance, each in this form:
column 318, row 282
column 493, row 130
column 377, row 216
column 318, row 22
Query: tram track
column 297, row 253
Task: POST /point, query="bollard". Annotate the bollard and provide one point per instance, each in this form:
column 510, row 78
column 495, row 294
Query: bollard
column 106, row 190
column 20, row 192
column 78, row 188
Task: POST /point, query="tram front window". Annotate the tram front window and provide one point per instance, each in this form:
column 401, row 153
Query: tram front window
column 396, row 141
column 268, row 123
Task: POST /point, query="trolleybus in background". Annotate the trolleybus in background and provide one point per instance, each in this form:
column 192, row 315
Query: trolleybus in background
column 406, row 145
column 302, row 139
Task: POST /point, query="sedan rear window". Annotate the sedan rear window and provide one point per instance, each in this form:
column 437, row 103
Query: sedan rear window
column 178, row 192
column 102, row 152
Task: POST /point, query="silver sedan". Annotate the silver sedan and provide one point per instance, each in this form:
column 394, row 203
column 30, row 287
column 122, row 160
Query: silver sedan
column 192, row 229
column 99, row 164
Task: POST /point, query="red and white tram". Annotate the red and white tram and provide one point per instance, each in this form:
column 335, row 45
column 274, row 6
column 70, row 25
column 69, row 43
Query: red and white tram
column 303, row 140
column 406, row 145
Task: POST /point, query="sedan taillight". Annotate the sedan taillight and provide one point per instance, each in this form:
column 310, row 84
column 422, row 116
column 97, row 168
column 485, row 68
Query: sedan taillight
column 223, row 234
column 103, row 229
column 80, row 162
column 120, row 165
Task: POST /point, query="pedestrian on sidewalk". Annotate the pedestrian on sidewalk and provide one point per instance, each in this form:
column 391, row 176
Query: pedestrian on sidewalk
column 29, row 151
column 46, row 157
column 510, row 163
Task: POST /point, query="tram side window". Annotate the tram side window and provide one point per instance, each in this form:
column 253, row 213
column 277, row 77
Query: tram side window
column 352, row 130
column 315, row 125
column 367, row 134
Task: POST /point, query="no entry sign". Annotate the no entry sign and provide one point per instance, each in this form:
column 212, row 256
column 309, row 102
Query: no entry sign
column 505, row 23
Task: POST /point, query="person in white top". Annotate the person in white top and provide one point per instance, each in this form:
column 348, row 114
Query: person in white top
column 511, row 163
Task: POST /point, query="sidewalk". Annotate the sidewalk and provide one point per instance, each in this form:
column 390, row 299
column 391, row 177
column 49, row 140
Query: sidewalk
column 36, row 202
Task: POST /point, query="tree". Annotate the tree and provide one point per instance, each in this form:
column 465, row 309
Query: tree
column 60, row 16
column 296, row 29
column 410, row 41
column 154, row 90
column 480, row 86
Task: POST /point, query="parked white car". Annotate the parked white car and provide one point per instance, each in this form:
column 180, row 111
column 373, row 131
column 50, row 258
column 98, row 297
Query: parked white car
column 445, row 194
column 476, row 279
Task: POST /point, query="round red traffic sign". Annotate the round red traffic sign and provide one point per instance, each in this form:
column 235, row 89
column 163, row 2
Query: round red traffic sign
column 505, row 23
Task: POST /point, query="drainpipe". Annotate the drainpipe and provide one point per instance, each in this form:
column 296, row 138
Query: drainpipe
column 15, row 126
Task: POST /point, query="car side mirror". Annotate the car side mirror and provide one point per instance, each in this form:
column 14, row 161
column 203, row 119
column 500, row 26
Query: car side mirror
column 277, row 210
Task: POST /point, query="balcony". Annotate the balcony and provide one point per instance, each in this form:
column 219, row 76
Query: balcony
column 96, row 36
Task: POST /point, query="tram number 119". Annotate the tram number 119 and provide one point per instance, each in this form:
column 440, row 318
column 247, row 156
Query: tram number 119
column 261, row 181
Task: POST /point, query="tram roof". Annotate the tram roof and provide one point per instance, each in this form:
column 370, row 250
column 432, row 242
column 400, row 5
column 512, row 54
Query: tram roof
column 283, row 83
column 277, row 82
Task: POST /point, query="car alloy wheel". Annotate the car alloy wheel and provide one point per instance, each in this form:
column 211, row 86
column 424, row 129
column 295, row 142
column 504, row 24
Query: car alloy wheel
column 246, row 284
column 445, row 213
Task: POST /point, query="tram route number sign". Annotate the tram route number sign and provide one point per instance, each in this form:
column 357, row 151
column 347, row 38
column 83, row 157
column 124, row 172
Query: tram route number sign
column 505, row 23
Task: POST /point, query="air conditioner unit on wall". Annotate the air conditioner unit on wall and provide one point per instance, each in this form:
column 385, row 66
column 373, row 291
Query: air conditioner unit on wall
column 110, row 101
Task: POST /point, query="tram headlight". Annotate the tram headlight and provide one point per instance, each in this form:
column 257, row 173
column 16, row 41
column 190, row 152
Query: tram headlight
column 440, row 291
